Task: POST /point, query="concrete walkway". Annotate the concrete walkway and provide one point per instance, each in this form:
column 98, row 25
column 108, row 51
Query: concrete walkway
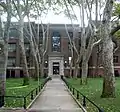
column 55, row 98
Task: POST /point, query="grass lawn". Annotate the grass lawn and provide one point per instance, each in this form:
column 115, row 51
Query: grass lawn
column 93, row 91
column 14, row 88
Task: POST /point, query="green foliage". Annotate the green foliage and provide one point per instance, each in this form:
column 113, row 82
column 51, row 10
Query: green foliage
column 93, row 90
column 117, row 34
column 116, row 9
column 14, row 88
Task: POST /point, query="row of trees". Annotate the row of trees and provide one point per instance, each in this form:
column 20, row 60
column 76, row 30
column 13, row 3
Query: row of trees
column 98, row 31
column 21, row 9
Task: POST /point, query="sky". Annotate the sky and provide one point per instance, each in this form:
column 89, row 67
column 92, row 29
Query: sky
column 58, row 19
column 54, row 19
column 51, row 17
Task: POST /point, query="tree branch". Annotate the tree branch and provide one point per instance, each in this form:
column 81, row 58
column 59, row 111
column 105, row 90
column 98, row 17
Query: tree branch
column 113, row 31
column 97, row 42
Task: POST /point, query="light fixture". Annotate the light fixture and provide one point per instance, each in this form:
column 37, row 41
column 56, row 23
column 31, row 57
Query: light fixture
column 46, row 64
column 65, row 63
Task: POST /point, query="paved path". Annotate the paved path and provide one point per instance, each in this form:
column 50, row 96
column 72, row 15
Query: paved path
column 55, row 98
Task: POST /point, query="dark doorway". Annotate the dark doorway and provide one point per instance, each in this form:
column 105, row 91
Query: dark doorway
column 21, row 73
column 116, row 73
column 56, row 68
column 8, row 74
column 13, row 73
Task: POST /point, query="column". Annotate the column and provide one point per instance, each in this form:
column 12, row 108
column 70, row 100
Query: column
column 50, row 67
column 61, row 66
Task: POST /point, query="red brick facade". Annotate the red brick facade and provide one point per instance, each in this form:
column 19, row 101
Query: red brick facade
column 15, row 70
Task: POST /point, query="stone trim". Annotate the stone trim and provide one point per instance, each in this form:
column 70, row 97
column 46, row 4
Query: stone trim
column 52, row 59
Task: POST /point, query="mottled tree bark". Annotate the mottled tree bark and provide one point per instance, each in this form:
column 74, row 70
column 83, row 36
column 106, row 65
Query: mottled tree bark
column 107, row 53
column 2, row 72
column 4, row 51
column 109, row 79
column 84, row 71
column 21, row 42
column 33, row 52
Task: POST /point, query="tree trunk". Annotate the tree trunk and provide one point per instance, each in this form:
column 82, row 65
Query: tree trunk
column 84, row 70
column 84, row 73
column 71, row 65
column 4, row 53
column 21, row 40
column 76, row 69
column 109, row 79
column 2, row 73
column 97, row 64
column 107, row 53
column 34, row 53
column 42, row 67
column 37, row 70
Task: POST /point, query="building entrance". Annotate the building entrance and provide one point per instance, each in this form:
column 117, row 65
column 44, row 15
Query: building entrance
column 55, row 65
column 55, row 68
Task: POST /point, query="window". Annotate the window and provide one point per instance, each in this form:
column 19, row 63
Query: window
column 69, row 46
column 115, row 59
column 41, row 34
column 40, row 37
column 11, row 61
column 11, row 47
column 56, row 42
column 116, row 73
column 14, row 32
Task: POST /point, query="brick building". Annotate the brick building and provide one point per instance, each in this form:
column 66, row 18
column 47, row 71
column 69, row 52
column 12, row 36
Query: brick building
column 58, row 55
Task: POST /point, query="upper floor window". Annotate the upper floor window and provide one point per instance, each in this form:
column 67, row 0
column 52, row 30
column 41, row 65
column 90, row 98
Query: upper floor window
column 41, row 34
column 11, row 47
column 115, row 59
column 11, row 61
column 41, row 38
column 56, row 42
column 13, row 32
column 69, row 46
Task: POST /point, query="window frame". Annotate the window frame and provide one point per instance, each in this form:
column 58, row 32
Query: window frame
column 56, row 34
column 115, row 59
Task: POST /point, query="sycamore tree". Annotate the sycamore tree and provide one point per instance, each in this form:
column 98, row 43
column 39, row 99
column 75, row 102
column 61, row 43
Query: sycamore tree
column 72, row 47
column 96, row 33
column 107, row 52
column 21, row 8
column 34, row 37
column 32, row 46
column 41, row 41
column 38, row 50
column 88, row 37
column 5, row 6
column 28, row 9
